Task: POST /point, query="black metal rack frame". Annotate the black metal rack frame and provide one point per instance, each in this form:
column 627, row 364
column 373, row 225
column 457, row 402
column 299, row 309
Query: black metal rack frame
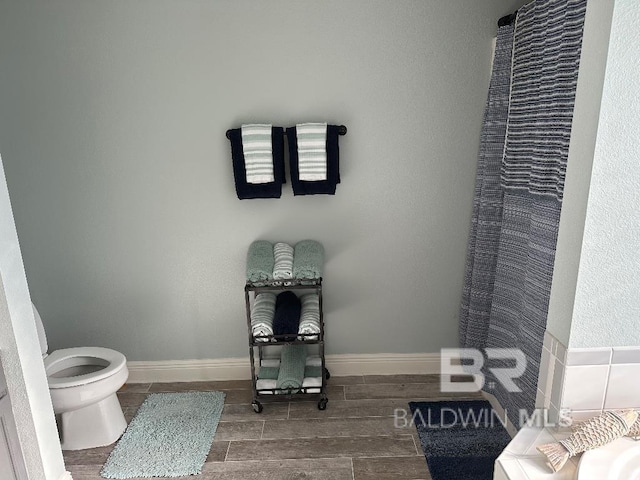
column 279, row 394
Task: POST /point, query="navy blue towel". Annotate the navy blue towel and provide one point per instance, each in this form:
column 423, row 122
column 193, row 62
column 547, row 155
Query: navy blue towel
column 328, row 186
column 257, row 190
column 286, row 318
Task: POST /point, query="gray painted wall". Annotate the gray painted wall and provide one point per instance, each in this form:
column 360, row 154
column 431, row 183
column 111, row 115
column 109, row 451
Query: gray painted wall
column 607, row 305
column 586, row 116
column 594, row 299
column 112, row 123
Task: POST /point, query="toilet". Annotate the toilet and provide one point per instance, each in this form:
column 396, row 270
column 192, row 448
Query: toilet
column 83, row 382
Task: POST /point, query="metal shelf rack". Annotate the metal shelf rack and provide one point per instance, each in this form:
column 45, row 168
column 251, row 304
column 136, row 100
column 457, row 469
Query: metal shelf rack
column 260, row 343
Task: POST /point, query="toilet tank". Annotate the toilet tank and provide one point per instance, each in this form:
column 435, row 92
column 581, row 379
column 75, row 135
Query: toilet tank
column 42, row 335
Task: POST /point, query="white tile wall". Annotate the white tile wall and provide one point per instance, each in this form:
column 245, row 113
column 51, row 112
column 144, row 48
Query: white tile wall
column 584, row 387
column 589, row 356
column 623, row 390
column 587, row 381
column 574, row 383
column 545, row 378
column 550, row 378
column 626, row 355
column 556, row 384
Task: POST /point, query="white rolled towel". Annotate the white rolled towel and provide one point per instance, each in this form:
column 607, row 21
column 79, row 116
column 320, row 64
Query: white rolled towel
column 309, row 316
column 262, row 312
column 283, row 261
column 308, row 382
column 266, row 385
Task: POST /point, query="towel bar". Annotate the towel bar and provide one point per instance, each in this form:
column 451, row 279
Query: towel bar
column 342, row 130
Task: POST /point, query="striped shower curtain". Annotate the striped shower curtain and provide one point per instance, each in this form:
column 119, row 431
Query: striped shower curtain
column 519, row 190
column 486, row 221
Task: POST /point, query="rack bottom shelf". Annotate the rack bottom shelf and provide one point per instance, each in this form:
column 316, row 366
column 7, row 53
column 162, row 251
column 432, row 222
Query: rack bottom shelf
column 277, row 395
column 258, row 407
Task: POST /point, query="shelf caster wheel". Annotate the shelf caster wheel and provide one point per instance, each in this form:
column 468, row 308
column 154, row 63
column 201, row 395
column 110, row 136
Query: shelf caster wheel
column 327, row 375
column 322, row 404
column 257, row 407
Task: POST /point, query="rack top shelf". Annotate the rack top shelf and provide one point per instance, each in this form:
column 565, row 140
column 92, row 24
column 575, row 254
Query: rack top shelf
column 289, row 284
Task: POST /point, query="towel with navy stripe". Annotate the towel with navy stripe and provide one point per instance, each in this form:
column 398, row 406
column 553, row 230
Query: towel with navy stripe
column 257, row 154
column 314, row 158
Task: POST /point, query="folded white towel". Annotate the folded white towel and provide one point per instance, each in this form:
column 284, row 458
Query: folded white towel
column 309, row 316
column 312, row 151
column 310, row 382
column 262, row 312
column 267, row 385
column 283, row 261
column 257, row 147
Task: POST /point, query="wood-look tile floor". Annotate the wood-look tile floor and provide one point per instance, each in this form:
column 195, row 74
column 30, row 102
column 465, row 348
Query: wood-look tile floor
column 356, row 438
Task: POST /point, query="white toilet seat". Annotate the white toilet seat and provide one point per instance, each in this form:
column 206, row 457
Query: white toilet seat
column 58, row 360
column 83, row 384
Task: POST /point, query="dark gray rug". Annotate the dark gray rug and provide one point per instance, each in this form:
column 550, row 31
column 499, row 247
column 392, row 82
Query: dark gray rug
column 460, row 439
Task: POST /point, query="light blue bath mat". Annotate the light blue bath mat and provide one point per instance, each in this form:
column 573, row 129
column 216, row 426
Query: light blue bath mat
column 170, row 436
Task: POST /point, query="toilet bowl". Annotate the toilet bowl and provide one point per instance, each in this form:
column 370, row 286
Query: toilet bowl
column 83, row 382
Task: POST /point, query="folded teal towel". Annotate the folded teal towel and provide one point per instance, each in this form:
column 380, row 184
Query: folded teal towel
column 292, row 364
column 308, row 259
column 312, row 371
column 268, row 373
column 271, row 373
column 260, row 261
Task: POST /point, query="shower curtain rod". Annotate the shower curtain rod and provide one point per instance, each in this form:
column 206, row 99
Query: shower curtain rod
column 507, row 19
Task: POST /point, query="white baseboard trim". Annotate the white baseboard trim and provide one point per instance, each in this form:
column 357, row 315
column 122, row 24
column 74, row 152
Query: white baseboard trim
column 239, row 369
column 66, row 476
column 383, row 364
column 189, row 370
